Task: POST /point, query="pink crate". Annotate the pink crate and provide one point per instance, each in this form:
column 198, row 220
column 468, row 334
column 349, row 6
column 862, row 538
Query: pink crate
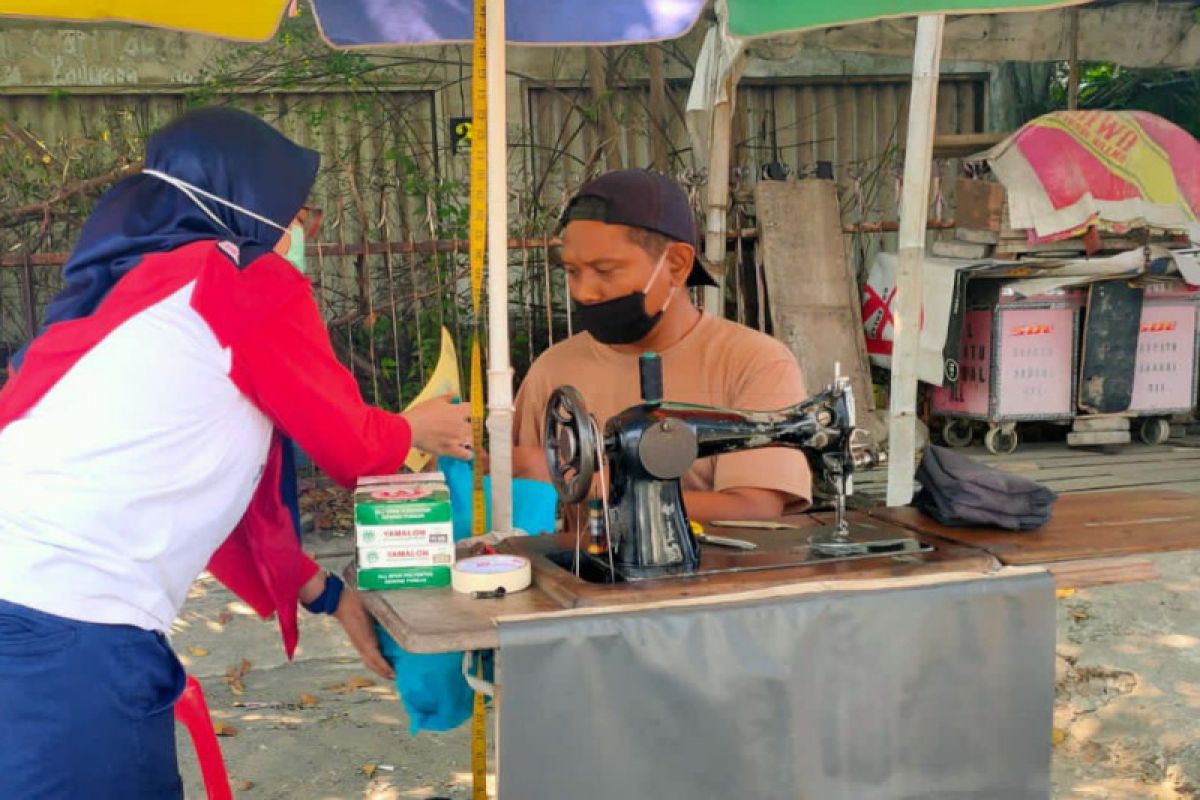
column 969, row 396
column 1016, row 363
column 1164, row 380
column 1036, row 366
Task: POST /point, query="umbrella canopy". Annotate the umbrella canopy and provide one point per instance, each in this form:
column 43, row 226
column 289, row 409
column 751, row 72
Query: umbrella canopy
column 359, row 23
column 753, row 18
column 365, row 23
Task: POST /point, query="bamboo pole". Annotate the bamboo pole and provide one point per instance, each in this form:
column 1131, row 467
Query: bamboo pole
column 918, row 161
column 499, row 371
column 718, row 203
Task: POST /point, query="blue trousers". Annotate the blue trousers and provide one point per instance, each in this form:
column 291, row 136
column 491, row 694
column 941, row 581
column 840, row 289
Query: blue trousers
column 86, row 710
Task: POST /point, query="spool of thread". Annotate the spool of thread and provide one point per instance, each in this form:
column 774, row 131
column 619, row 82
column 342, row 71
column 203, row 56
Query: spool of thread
column 489, row 574
column 651, row 377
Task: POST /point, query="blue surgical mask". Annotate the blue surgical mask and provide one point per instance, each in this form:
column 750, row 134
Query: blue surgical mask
column 295, row 253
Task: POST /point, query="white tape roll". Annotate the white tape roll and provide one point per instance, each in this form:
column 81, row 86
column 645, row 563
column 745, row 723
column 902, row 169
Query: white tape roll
column 489, row 573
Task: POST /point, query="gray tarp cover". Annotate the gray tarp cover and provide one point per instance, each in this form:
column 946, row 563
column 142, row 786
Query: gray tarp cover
column 935, row 691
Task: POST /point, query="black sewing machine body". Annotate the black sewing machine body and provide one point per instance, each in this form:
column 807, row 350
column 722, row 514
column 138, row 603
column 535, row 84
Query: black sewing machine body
column 646, row 450
column 650, row 447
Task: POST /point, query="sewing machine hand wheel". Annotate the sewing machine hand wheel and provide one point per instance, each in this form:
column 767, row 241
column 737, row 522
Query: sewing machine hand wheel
column 570, row 443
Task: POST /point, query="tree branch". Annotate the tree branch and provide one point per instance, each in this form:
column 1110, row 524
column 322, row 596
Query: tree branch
column 34, row 210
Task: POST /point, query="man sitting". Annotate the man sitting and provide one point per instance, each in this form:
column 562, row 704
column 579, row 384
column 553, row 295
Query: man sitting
column 629, row 249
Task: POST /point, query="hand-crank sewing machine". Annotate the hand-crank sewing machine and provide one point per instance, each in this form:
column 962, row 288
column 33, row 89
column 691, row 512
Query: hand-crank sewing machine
column 639, row 527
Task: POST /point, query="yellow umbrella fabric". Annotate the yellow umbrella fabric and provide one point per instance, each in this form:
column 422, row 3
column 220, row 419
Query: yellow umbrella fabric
column 245, row 20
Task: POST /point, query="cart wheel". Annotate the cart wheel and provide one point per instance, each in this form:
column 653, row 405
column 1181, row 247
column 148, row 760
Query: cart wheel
column 1001, row 441
column 958, row 433
column 1154, row 430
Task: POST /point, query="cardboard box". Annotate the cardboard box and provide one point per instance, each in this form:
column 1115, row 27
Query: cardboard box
column 405, row 556
column 378, row 535
column 402, row 503
column 403, row 531
column 403, row 577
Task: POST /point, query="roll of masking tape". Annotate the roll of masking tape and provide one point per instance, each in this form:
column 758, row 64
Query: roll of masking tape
column 490, row 573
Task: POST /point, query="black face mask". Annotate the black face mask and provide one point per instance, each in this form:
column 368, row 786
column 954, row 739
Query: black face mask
column 622, row 320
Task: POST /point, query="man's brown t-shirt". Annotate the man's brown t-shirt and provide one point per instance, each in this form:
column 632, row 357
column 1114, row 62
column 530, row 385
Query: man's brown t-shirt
column 718, row 363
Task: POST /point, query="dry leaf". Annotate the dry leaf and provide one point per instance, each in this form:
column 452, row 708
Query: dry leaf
column 308, row 701
column 1079, row 615
column 245, row 786
column 369, row 769
column 350, row 686
column 243, row 668
column 237, row 687
column 224, row 729
column 1057, row 735
column 224, row 618
column 198, row 652
column 1062, row 594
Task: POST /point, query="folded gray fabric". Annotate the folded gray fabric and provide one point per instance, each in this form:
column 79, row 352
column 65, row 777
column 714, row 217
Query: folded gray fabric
column 970, row 483
column 959, row 491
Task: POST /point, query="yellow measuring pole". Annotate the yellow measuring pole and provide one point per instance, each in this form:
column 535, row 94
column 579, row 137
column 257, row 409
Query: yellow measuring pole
column 477, row 245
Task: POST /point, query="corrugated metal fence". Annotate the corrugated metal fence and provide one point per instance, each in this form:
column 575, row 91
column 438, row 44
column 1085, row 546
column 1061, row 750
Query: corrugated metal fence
column 394, row 195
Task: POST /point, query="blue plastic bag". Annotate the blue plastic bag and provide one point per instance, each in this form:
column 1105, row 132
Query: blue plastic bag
column 432, row 687
column 534, row 502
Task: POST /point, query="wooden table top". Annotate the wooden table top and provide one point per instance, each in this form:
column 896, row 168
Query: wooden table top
column 1082, row 526
column 1088, row 542
column 441, row 620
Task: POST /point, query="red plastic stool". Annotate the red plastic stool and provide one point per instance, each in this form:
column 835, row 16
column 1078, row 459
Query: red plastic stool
column 192, row 711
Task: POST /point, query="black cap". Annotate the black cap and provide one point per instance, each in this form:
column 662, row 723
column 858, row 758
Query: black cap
column 641, row 198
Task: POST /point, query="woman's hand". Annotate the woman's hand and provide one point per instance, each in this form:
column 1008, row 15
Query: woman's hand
column 441, row 427
column 358, row 626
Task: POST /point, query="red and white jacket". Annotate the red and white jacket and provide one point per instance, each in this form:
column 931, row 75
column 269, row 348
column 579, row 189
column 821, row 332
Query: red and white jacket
column 137, row 444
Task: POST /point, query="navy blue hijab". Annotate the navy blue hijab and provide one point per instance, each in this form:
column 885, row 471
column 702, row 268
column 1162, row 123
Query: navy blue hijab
column 228, row 153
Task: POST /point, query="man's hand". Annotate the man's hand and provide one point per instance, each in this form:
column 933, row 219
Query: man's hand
column 357, row 623
column 441, row 427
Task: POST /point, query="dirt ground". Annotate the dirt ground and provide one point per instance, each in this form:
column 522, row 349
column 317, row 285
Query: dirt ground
column 1127, row 720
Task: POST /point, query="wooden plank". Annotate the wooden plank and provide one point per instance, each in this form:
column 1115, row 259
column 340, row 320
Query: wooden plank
column 775, row 547
column 1101, row 572
column 444, row 621
column 1097, row 438
column 813, row 295
column 790, row 590
column 1169, row 471
column 960, row 145
column 974, row 236
column 1066, row 485
column 953, row 248
column 1130, row 455
column 1096, row 525
column 1191, row 487
column 1100, row 423
column 980, row 204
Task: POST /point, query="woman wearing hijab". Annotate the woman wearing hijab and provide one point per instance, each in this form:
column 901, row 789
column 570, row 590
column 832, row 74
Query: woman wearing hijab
column 145, row 435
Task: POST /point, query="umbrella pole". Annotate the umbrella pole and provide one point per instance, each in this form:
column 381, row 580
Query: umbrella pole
column 500, row 394
column 718, row 200
column 914, row 198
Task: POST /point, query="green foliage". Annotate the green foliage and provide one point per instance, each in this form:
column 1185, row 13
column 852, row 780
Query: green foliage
column 1171, row 94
